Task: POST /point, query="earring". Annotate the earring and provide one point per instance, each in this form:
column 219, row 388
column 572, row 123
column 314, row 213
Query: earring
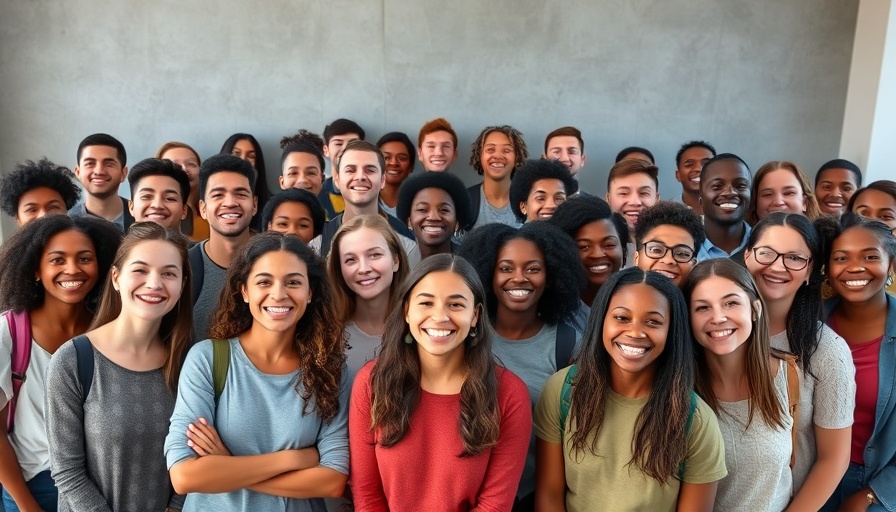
column 890, row 280
column 473, row 331
column 246, row 300
column 408, row 338
column 823, row 271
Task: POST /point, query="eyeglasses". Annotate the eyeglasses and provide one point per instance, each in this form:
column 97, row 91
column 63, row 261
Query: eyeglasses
column 767, row 256
column 680, row 253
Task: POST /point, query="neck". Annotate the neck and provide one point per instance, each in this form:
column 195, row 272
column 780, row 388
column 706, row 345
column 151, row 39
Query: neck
column 71, row 318
column 106, row 207
column 725, row 236
column 389, row 195
column 222, row 249
column 777, row 314
column 443, row 375
column 353, row 210
column 496, row 191
column 867, row 312
column 372, row 313
column 589, row 293
column 133, row 334
column 692, row 199
column 632, row 385
column 517, row 325
column 267, row 345
column 430, row 250
column 727, row 372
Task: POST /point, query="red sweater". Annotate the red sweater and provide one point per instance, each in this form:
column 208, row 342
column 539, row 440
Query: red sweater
column 423, row 471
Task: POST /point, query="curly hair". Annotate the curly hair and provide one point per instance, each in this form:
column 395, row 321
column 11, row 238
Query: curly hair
column 692, row 144
column 565, row 279
column 670, row 213
column 295, row 195
column 303, row 136
column 812, row 210
column 580, row 210
column 441, row 180
column 30, row 175
column 21, row 255
column 319, row 334
column 532, row 171
column 516, row 139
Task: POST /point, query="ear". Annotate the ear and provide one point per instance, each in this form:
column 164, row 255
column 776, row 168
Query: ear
column 335, row 174
column 124, row 174
column 18, row 221
column 280, row 180
column 395, row 264
column 184, row 214
column 405, row 306
column 114, row 275
column 476, row 316
column 202, row 209
column 254, row 205
column 523, row 207
column 420, row 154
column 244, row 293
column 635, row 257
column 131, row 207
column 607, row 197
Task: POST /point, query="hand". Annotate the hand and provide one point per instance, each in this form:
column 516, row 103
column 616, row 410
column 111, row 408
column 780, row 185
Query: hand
column 204, row 439
column 858, row 502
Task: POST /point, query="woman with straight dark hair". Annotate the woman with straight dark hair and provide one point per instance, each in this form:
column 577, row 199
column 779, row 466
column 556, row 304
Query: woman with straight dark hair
column 52, row 272
column 622, row 428
column 784, row 256
column 435, row 424
column 245, row 146
column 135, row 346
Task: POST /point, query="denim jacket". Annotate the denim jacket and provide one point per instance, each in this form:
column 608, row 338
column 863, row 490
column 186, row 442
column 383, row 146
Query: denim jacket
column 880, row 452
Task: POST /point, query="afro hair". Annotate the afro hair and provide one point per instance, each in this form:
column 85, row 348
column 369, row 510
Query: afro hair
column 532, row 171
column 30, row 175
column 431, row 179
column 295, row 195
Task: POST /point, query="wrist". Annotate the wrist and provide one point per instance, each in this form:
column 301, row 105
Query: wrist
column 870, row 496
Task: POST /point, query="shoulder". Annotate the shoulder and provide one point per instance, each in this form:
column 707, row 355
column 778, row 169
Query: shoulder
column 831, row 346
column 704, row 417
column 509, row 384
column 201, row 352
column 63, row 362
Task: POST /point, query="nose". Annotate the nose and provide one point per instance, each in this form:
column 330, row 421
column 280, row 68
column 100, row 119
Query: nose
column 432, row 214
column 635, row 331
column 778, row 264
column 667, row 258
column 550, row 203
column 438, row 313
column 156, row 202
column 718, row 316
column 278, row 290
column 519, row 275
column 153, row 281
column 363, row 266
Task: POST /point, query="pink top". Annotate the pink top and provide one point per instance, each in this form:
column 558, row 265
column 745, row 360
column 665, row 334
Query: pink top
column 865, row 356
column 424, row 471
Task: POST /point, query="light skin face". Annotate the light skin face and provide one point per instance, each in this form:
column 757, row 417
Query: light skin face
column 277, row 291
column 834, row 188
column 150, row 280
column 433, row 216
column 68, row 267
column 520, row 276
column 157, row 199
column 630, row 195
column 779, row 191
column 438, row 152
column 673, row 237
column 245, row 150
column 877, row 205
column 858, row 267
column 229, row 203
column 99, row 171
column 366, row 262
column 398, row 162
column 568, row 151
column 39, row 202
column 293, row 218
column 360, row 178
column 721, row 315
column 302, row 170
column 544, row 197
column 725, row 192
column 498, row 156
column 688, row 171
column 635, row 329
column 600, row 250
column 775, row 281
column 187, row 161
column 440, row 311
column 337, row 142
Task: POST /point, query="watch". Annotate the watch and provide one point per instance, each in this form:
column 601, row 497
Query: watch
column 872, row 498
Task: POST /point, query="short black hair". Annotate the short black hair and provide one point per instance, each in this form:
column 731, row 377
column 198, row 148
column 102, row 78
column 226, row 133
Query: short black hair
column 404, row 139
column 159, row 167
column 104, row 139
column 30, row 175
column 303, row 147
column 634, row 149
column 342, row 126
column 225, row 163
column 840, row 163
column 720, row 157
column 583, row 209
column 432, row 179
column 533, row 170
column 693, row 144
column 565, row 279
column 670, row 213
column 295, row 195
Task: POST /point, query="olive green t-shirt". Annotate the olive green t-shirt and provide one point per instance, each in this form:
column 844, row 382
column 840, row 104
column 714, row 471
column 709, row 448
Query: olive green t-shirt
column 606, row 481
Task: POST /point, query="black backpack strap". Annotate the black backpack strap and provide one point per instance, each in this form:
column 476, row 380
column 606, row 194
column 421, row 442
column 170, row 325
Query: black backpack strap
column 326, row 236
column 197, row 269
column 475, row 199
column 84, row 353
column 565, row 344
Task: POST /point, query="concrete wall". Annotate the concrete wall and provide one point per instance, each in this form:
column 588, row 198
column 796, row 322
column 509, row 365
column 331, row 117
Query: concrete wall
column 764, row 79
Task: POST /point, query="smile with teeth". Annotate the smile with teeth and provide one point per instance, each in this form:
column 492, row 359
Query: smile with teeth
column 630, row 350
column 603, row 267
column 70, row 285
column 152, row 299
column 728, row 206
column 435, row 230
column 518, row 293
column 666, row 273
column 438, row 333
column 721, row 334
column 230, row 216
column 857, row 282
column 277, row 310
column 774, row 279
column 368, row 282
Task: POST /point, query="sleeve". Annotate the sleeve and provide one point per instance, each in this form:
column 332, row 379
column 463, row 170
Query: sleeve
column 195, row 399
column 547, row 410
column 65, row 434
column 332, row 440
column 5, row 362
column 366, row 483
column 315, row 244
column 834, row 398
column 508, row 457
column 705, row 459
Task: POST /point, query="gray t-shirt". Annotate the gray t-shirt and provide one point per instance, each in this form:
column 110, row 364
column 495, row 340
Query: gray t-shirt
column 489, row 214
column 213, row 280
column 106, row 452
column 364, row 347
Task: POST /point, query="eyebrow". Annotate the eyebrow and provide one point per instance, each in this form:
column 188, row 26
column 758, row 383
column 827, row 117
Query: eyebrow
column 138, row 262
column 222, row 188
column 431, row 296
column 166, row 190
column 291, row 274
column 59, row 251
column 30, row 203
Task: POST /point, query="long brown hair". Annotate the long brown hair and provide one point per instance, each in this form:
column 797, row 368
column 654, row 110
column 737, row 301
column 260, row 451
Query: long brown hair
column 756, row 365
column 176, row 329
column 812, row 210
column 318, row 338
column 395, row 379
column 345, row 297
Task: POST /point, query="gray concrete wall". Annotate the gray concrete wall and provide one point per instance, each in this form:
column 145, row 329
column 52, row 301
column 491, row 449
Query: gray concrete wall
column 765, row 79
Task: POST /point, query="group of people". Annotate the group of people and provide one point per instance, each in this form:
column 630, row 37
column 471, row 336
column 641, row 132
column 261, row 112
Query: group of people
column 391, row 339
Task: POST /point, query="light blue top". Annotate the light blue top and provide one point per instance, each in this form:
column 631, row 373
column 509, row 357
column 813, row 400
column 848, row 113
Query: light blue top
column 708, row 251
column 257, row 413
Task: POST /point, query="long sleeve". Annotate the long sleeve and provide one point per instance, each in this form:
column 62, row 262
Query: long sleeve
column 366, row 483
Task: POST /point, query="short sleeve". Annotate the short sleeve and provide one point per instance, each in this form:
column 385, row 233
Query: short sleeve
column 835, row 386
column 332, row 440
column 547, row 410
column 705, row 459
column 195, row 399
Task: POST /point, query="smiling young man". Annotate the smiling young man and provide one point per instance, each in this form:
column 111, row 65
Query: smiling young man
column 159, row 189
column 539, row 187
column 667, row 238
column 226, row 186
column 336, row 135
column 437, row 145
column 398, row 153
column 632, row 186
column 725, row 195
column 566, row 145
column 102, row 167
column 835, row 183
column 689, row 162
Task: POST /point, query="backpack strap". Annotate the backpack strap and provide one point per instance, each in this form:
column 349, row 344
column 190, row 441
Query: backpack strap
column 793, row 394
column 220, row 366
column 197, row 269
column 687, row 429
column 565, row 393
column 19, row 323
column 327, row 234
column 564, row 344
column 84, row 353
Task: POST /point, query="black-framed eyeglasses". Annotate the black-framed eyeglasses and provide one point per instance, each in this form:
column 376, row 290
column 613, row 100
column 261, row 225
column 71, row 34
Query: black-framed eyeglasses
column 792, row 261
column 657, row 250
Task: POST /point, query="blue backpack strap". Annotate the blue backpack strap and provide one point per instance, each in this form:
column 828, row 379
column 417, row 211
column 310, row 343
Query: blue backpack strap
column 565, row 393
column 564, row 344
column 687, row 430
column 84, row 353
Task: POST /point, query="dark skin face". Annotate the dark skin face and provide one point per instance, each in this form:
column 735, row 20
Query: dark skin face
column 725, row 192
